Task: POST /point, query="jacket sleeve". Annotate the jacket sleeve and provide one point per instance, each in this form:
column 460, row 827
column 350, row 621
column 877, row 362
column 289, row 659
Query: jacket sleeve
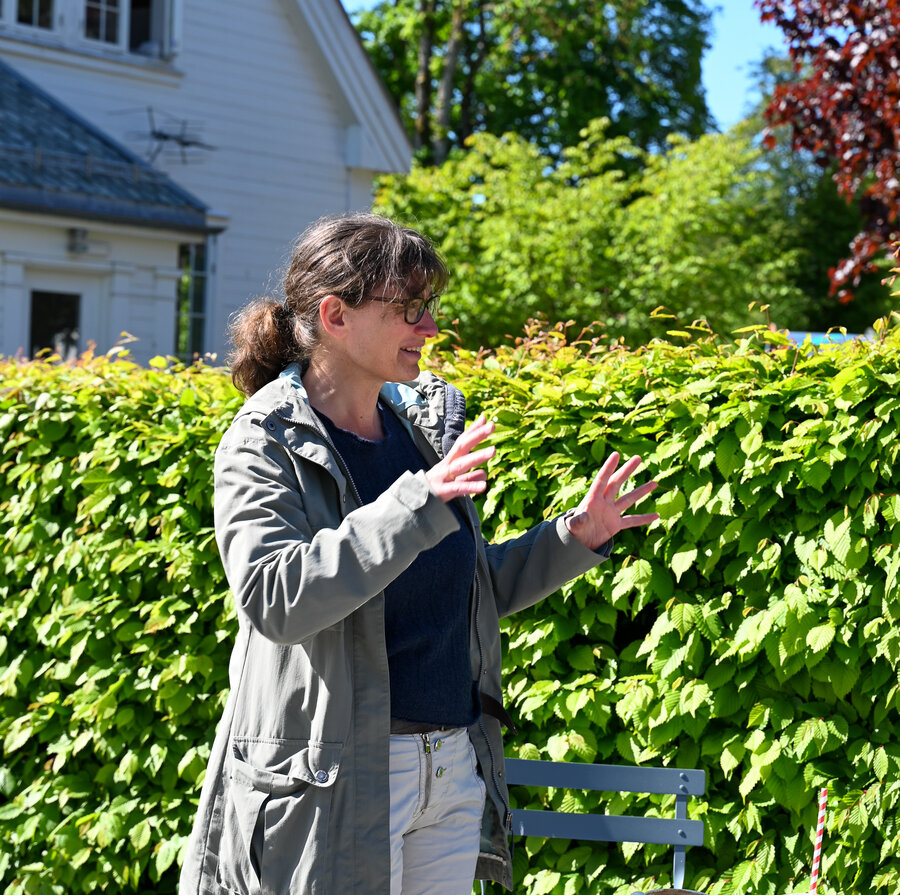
column 526, row 569
column 291, row 582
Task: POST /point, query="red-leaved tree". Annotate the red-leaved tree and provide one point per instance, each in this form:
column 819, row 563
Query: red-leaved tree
column 844, row 107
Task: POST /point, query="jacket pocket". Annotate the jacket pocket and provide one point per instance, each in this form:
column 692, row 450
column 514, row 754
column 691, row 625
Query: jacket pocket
column 276, row 812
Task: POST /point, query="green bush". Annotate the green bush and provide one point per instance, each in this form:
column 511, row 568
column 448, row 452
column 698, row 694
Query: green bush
column 115, row 625
column 752, row 632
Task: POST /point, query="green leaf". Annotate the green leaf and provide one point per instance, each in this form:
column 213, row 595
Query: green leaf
column 837, row 536
column 670, row 505
column 545, row 882
column 682, row 560
column 820, row 637
column 166, row 854
column 749, row 782
column 732, row 755
column 140, row 835
column 880, row 763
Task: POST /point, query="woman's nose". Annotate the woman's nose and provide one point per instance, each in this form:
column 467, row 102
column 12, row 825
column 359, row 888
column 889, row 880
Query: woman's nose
column 426, row 326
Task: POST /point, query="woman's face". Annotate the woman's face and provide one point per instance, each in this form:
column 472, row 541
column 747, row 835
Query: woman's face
column 381, row 346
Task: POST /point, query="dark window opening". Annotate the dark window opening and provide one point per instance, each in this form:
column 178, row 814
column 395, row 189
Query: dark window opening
column 141, row 31
column 190, row 307
column 38, row 13
column 54, row 323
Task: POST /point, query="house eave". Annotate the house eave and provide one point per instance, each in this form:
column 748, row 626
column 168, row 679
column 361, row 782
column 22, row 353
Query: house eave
column 100, row 208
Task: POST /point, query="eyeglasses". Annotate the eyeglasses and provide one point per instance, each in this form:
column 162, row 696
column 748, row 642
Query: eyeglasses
column 414, row 309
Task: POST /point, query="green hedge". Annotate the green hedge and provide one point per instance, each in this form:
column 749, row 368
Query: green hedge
column 752, row 632
column 115, row 623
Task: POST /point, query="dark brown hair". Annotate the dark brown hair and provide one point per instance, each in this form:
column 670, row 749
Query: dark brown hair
column 351, row 256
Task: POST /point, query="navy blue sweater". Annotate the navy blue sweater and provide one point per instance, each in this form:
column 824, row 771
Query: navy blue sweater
column 426, row 609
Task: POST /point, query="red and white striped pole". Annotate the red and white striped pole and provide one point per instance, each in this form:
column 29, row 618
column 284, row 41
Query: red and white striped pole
column 817, row 851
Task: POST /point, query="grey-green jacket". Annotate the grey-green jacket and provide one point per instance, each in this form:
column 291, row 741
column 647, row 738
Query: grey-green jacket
column 296, row 794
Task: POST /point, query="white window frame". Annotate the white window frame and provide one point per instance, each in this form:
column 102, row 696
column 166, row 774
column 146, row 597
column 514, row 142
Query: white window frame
column 189, row 313
column 124, row 15
column 14, row 16
column 69, row 24
column 9, row 16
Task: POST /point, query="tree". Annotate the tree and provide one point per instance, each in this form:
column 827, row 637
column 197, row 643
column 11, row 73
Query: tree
column 819, row 222
column 844, row 108
column 540, row 68
column 608, row 234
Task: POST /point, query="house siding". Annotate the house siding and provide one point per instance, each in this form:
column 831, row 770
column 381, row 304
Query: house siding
column 126, row 281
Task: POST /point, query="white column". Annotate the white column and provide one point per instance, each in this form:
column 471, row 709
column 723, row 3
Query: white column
column 15, row 308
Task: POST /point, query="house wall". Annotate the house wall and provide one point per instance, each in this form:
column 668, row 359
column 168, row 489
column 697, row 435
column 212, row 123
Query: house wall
column 126, row 279
column 249, row 81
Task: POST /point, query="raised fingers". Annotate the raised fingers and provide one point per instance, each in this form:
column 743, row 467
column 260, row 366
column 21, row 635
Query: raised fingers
column 471, row 437
column 620, row 476
column 461, row 465
column 456, row 475
column 632, row 497
column 601, row 481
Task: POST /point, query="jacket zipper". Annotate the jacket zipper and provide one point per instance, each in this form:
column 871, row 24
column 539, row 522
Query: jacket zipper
column 324, row 434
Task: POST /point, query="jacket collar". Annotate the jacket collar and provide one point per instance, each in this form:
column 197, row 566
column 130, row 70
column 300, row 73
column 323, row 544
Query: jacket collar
column 420, row 405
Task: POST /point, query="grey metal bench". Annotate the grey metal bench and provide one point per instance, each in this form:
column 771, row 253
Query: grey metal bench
column 678, row 831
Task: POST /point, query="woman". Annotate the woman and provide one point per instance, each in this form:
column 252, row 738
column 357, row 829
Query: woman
column 360, row 748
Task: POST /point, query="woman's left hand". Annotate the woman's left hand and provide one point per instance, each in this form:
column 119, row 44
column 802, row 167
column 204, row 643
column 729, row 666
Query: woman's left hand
column 599, row 516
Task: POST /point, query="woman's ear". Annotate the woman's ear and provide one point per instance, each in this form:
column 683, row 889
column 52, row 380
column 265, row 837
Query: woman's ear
column 333, row 316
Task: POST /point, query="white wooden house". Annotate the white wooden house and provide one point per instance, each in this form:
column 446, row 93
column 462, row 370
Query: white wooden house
column 159, row 157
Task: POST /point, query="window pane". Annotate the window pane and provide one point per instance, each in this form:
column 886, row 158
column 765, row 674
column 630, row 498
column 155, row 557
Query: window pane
column 111, row 32
column 198, row 294
column 35, row 12
column 199, row 257
column 190, row 301
column 101, row 21
column 54, row 323
column 140, row 24
column 92, row 22
column 196, row 336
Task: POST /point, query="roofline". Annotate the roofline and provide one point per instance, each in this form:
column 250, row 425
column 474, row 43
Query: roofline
column 118, row 211
column 360, row 83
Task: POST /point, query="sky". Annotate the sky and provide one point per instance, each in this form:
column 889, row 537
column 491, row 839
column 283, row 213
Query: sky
column 738, row 42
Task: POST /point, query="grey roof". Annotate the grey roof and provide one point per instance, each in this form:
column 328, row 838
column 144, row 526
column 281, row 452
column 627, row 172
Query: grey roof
column 53, row 161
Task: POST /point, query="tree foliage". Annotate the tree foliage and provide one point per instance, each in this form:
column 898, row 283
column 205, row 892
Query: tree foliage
column 844, row 107
column 609, row 234
column 540, row 68
column 819, row 222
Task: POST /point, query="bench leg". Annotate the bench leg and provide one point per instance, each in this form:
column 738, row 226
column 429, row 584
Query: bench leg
column 678, row 868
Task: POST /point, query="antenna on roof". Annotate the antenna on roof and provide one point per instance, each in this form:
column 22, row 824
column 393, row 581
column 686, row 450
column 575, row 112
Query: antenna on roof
column 171, row 132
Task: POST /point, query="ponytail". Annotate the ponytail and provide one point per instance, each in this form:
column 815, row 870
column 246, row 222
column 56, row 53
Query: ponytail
column 264, row 344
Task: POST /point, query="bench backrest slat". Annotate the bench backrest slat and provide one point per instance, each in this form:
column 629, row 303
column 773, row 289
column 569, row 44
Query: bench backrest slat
column 605, row 777
column 606, row 827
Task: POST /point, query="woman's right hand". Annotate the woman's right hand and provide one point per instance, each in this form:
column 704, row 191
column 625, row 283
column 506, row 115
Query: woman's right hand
column 456, row 475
